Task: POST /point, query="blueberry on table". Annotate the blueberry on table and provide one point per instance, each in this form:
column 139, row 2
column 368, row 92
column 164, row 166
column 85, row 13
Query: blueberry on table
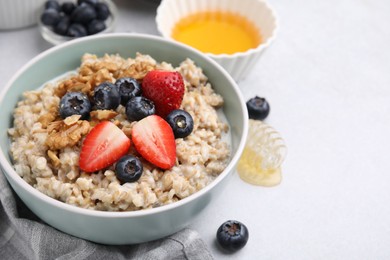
column 128, row 88
column 53, row 4
column 258, row 108
column 138, row 108
column 232, row 235
column 50, row 17
column 102, row 11
column 181, row 123
column 75, row 103
column 76, row 30
column 95, row 26
column 128, row 169
column 106, row 96
column 83, row 14
column 68, row 7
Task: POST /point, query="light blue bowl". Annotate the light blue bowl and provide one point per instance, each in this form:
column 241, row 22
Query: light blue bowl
column 119, row 227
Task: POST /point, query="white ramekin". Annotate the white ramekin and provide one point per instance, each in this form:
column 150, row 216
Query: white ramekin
column 16, row 14
column 239, row 64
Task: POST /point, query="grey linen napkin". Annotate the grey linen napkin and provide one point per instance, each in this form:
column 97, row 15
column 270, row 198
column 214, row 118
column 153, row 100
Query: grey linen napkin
column 24, row 236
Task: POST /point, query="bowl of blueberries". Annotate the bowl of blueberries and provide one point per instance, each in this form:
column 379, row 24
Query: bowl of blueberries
column 64, row 20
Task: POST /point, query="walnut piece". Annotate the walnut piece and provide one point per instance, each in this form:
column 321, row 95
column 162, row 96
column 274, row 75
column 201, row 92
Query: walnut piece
column 137, row 70
column 91, row 75
column 94, row 71
column 103, row 114
column 71, row 120
column 49, row 117
column 110, row 66
column 61, row 134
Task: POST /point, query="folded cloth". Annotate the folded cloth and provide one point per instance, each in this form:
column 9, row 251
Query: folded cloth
column 24, row 236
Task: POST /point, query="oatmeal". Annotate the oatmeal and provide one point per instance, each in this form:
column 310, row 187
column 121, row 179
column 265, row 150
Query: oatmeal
column 46, row 147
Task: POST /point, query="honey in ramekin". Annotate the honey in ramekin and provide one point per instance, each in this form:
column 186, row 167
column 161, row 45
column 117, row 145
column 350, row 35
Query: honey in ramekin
column 217, row 32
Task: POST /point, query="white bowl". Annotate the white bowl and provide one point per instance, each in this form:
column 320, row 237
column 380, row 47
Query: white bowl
column 259, row 12
column 16, row 14
column 119, row 227
column 50, row 36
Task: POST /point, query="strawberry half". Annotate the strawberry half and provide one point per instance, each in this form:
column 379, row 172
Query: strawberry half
column 165, row 89
column 103, row 146
column 153, row 138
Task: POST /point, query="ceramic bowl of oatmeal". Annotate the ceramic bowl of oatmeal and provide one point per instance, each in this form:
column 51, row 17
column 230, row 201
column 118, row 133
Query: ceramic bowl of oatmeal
column 67, row 167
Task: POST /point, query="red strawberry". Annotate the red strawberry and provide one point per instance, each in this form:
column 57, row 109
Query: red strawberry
column 165, row 89
column 103, row 146
column 153, row 138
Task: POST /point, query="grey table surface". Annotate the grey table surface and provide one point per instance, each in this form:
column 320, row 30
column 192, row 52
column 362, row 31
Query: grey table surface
column 327, row 78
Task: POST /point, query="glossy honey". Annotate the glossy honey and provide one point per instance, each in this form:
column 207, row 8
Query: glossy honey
column 217, row 32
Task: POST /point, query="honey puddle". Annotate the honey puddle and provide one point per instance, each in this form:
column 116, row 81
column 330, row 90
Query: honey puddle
column 263, row 155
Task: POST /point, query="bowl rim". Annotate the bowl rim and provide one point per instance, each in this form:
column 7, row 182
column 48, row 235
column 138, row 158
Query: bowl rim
column 9, row 171
column 251, row 51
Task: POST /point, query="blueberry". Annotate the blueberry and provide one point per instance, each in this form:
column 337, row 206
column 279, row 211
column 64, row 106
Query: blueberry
column 76, row 30
column 50, row 17
column 90, row 2
column 83, row 14
column 95, row 26
column 181, row 123
column 52, row 4
column 258, row 108
column 232, row 235
column 68, row 7
column 102, row 11
column 62, row 26
column 75, row 103
column 106, row 96
column 128, row 88
column 138, row 108
column 128, row 168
